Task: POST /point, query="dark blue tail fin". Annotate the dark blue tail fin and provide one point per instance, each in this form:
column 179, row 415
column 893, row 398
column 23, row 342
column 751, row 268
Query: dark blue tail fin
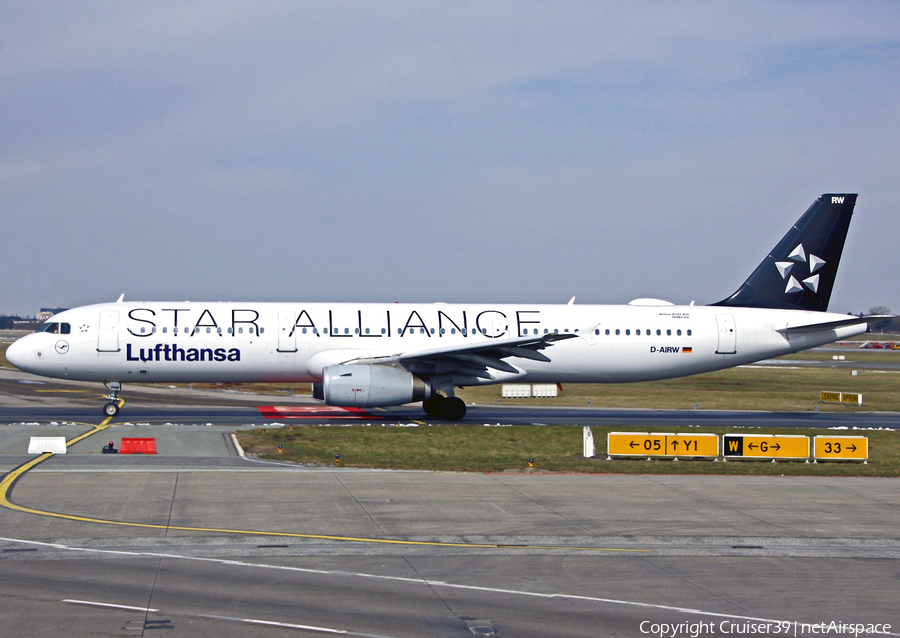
column 799, row 272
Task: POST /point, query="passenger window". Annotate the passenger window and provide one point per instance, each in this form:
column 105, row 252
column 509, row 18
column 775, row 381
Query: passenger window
column 241, row 330
column 607, row 332
column 689, row 333
column 637, row 332
column 208, row 330
column 382, row 331
column 367, row 331
column 165, row 329
column 658, row 332
column 617, row 332
column 668, row 333
column 678, row 332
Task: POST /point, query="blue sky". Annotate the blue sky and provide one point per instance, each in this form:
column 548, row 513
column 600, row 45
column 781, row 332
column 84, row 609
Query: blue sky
column 470, row 151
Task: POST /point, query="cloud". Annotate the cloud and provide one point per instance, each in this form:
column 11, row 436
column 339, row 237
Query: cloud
column 464, row 151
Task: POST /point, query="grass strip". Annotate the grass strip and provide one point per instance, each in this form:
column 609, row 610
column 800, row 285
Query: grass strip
column 744, row 388
column 555, row 448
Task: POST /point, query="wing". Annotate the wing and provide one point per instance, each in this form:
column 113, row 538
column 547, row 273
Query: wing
column 473, row 360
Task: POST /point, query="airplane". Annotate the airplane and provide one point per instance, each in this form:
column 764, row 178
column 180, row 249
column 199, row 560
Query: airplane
column 372, row 355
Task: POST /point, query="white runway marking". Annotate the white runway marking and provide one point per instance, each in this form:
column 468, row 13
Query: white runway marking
column 287, row 625
column 91, row 603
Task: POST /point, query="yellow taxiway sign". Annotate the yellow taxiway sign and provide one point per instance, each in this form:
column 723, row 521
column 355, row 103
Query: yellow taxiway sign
column 665, row 444
column 765, row 446
column 846, row 448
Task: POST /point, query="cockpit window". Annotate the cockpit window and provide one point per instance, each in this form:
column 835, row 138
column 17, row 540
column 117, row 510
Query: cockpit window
column 55, row 328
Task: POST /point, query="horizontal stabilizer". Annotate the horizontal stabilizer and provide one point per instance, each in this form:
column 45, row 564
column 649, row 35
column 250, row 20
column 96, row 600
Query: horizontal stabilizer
column 830, row 325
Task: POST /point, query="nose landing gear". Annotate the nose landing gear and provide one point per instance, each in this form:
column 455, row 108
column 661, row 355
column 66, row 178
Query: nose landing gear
column 111, row 409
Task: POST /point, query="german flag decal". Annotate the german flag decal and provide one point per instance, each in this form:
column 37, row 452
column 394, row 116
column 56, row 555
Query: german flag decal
column 687, row 350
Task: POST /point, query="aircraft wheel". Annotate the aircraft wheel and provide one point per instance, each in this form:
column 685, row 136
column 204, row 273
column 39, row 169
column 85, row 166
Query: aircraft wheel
column 111, row 409
column 453, row 409
column 432, row 405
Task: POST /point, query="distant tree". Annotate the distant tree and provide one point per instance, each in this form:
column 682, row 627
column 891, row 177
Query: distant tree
column 886, row 325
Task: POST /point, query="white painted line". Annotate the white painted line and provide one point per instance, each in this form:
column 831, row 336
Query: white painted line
column 416, row 581
column 91, row 603
column 237, row 446
column 287, row 625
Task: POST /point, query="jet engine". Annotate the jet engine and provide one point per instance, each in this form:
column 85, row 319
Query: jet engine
column 368, row 386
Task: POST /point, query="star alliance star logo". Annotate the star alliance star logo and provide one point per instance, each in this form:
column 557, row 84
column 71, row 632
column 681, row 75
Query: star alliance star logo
column 797, row 257
column 84, row 328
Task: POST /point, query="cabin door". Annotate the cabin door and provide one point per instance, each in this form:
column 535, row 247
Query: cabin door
column 108, row 331
column 727, row 334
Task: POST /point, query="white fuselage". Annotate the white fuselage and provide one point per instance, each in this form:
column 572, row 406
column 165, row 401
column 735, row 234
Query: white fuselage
column 152, row 342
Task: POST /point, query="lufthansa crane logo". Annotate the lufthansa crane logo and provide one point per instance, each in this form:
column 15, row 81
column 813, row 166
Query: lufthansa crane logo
column 62, row 347
column 797, row 257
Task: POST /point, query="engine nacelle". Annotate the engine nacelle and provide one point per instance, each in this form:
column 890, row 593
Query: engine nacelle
column 370, row 386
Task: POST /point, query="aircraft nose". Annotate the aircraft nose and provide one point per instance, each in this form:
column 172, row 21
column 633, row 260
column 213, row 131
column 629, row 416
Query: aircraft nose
column 15, row 353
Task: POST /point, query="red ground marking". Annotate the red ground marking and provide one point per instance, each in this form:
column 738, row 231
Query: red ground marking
column 313, row 412
column 137, row 446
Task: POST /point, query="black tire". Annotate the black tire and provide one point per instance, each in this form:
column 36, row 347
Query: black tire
column 453, row 409
column 111, row 409
column 432, row 405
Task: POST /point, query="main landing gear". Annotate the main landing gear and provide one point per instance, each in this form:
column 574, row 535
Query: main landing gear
column 448, row 408
column 111, row 409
